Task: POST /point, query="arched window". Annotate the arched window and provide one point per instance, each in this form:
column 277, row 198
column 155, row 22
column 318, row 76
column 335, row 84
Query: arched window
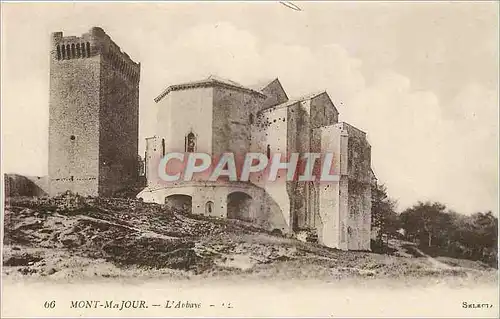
column 251, row 118
column 68, row 51
column 58, row 52
column 209, row 208
column 88, row 49
column 82, row 46
column 63, row 51
column 78, row 50
column 73, row 52
column 268, row 151
column 163, row 147
column 190, row 142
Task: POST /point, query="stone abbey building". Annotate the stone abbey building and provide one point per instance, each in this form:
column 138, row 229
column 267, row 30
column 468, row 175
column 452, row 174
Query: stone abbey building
column 216, row 116
column 94, row 132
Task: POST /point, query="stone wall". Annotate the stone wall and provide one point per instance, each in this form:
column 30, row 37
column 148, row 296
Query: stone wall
column 258, row 207
column 270, row 135
column 323, row 112
column 360, row 178
column 182, row 112
column 332, row 201
column 275, row 94
column 151, row 161
column 233, row 112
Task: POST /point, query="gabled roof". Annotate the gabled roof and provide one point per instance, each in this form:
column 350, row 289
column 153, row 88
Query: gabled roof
column 277, row 81
column 226, row 81
column 259, row 86
column 212, row 80
column 273, row 90
column 342, row 124
column 294, row 101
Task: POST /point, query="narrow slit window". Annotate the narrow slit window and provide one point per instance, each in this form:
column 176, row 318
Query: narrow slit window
column 209, row 207
column 191, row 142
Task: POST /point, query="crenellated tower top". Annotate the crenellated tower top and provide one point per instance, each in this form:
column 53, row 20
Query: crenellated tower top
column 94, row 43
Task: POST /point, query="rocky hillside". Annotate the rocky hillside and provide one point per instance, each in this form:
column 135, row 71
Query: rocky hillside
column 75, row 237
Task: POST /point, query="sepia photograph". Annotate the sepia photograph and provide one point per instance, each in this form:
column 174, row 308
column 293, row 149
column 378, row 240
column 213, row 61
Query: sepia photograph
column 333, row 159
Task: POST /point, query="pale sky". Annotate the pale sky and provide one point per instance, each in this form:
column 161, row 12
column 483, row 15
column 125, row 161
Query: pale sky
column 421, row 78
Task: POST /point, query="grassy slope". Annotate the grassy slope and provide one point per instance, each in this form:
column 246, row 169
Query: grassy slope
column 77, row 238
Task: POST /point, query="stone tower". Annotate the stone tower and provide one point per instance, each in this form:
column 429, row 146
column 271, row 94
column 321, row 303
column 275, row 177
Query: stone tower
column 93, row 115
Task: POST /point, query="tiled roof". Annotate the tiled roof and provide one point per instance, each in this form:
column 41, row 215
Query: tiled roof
column 212, row 80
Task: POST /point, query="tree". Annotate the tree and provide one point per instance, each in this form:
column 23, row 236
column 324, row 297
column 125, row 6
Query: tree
column 451, row 234
column 426, row 222
column 383, row 212
column 480, row 234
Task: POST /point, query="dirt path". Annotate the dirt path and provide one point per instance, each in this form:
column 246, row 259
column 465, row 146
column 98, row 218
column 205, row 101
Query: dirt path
column 433, row 261
column 400, row 247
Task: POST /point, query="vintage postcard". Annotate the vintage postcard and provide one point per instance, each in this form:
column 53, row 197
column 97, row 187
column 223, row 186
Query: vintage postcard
column 249, row 159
